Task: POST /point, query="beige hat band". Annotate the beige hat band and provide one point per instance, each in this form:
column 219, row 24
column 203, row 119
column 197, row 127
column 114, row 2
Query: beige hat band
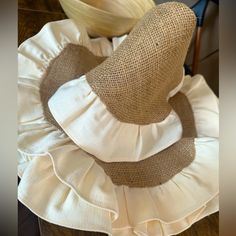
column 134, row 82
column 73, row 61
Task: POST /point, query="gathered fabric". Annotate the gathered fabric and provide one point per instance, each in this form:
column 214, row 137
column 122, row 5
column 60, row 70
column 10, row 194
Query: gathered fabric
column 62, row 182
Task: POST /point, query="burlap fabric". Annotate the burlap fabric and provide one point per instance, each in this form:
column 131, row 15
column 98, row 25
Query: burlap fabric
column 73, row 61
column 162, row 166
column 135, row 81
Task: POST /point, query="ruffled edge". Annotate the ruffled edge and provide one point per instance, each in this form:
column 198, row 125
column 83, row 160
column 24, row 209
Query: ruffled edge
column 126, row 205
column 36, row 135
column 163, row 229
column 205, row 105
column 39, row 186
column 86, row 120
column 32, row 81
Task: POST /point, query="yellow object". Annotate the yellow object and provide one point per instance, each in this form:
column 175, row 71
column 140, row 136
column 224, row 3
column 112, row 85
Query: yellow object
column 107, row 18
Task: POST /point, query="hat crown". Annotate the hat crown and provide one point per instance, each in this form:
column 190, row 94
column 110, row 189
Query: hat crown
column 134, row 82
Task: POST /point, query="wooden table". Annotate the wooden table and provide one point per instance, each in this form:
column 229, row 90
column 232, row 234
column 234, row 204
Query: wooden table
column 32, row 15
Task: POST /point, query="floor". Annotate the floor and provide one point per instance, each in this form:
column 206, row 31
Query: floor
column 32, row 15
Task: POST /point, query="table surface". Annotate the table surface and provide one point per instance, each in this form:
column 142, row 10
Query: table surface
column 32, row 15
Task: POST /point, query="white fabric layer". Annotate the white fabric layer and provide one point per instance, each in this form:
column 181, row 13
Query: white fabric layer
column 42, row 192
column 83, row 116
column 67, row 188
column 86, row 120
column 168, row 208
column 205, row 105
column 35, row 134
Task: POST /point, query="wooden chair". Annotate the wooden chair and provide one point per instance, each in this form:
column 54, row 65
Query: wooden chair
column 199, row 9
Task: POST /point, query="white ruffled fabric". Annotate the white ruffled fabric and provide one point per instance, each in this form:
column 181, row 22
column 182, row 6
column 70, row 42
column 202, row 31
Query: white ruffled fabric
column 63, row 185
column 168, row 208
column 86, row 120
column 36, row 134
column 205, row 105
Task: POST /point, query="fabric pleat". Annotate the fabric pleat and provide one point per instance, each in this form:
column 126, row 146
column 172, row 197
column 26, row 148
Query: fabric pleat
column 61, row 182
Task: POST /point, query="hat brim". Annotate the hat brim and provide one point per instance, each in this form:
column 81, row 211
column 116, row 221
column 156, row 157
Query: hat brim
column 59, row 195
column 193, row 189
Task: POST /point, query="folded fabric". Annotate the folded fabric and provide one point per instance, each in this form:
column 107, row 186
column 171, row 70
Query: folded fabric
column 84, row 165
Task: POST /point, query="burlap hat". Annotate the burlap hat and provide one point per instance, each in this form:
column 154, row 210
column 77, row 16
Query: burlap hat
column 119, row 141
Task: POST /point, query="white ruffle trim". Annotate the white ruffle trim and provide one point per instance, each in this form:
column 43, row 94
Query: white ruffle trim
column 35, row 134
column 63, row 185
column 68, row 179
column 86, row 120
